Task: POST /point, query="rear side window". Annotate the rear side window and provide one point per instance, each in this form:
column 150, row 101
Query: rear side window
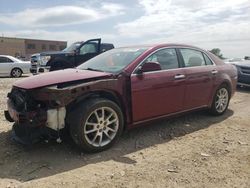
column 167, row 58
column 208, row 61
column 5, row 60
column 192, row 58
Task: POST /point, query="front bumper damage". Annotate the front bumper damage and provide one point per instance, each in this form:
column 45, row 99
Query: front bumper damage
column 42, row 112
column 31, row 126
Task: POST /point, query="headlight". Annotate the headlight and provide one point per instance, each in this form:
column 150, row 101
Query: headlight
column 45, row 59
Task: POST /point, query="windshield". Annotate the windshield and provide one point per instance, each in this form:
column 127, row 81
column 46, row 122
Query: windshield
column 72, row 47
column 113, row 60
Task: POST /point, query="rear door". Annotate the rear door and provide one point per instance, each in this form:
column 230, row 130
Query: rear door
column 6, row 65
column 200, row 75
column 87, row 50
column 158, row 93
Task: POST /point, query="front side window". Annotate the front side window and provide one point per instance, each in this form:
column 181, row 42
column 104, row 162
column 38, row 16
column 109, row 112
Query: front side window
column 192, row 58
column 88, row 48
column 208, row 61
column 114, row 60
column 167, row 58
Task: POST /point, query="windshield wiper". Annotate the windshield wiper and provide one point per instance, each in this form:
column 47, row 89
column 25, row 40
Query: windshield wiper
column 92, row 69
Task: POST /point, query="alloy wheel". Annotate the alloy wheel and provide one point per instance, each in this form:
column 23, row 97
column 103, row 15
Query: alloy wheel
column 101, row 126
column 221, row 100
column 16, row 73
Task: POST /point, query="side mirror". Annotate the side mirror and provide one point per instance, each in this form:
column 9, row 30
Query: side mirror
column 77, row 51
column 148, row 67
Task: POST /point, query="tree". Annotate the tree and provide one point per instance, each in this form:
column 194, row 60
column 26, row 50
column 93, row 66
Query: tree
column 217, row 52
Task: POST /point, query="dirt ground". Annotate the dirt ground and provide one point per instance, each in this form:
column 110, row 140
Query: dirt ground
column 194, row 150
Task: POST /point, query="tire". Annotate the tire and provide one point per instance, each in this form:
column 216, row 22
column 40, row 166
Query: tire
column 220, row 100
column 96, row 124
column 16, row 73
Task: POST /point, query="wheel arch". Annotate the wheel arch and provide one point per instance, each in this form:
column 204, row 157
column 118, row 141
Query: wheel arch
column 16, row 68
column 227, row 84
column 106, row 94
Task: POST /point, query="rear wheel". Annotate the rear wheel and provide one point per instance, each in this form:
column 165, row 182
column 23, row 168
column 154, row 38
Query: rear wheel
column 95, row 125
column 220, row 101
column 16, row 73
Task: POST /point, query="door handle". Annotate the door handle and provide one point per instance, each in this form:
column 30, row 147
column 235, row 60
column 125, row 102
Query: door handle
column 214, row 72
column 179, row 76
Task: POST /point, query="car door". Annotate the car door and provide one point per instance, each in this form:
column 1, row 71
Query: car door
column 161, row 92
column 6, row 65
column 87, row 50
column 200, row 75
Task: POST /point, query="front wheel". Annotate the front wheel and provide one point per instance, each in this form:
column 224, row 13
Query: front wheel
column 96, row 124
column 220, row 101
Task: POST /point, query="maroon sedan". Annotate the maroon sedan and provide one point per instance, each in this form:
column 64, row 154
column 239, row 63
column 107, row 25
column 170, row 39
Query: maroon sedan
column 119, row 89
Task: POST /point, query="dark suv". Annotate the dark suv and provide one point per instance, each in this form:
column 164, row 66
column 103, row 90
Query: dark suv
column 119, row 89
column 70, row 57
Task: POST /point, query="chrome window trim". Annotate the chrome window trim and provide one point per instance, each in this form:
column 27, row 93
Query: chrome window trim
column 173, row 47
column 201, row 53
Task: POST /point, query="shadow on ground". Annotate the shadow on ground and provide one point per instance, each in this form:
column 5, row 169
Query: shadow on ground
column 48, row 159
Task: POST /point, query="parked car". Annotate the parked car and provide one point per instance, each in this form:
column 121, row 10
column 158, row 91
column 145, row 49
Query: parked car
column 119, row 90
column 247, row 57
column 70, row 57
column 243, row 68
column 11, row 66
column 235, row 59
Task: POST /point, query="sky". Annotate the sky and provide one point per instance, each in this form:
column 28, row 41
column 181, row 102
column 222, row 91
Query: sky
column 223, row 24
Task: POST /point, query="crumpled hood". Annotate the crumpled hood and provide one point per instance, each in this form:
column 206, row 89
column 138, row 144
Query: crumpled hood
column 57, row 77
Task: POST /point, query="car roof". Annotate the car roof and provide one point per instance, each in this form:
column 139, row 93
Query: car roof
column 157, row 46
column 163, row 45
column 11, row 57
column 6, row 56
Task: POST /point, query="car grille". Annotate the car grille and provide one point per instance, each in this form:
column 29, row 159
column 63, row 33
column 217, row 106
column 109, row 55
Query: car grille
column 245, row 70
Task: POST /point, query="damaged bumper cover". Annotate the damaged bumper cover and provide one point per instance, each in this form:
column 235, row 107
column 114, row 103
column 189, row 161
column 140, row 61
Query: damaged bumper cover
column 32, row 118
column 32, row 126
column 28, row 130
column 52, row 118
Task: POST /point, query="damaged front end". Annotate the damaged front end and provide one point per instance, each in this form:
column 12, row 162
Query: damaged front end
column 40, row 106
column 34, row 118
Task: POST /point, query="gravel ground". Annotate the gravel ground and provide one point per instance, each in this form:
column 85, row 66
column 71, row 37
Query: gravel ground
column 194, row 150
